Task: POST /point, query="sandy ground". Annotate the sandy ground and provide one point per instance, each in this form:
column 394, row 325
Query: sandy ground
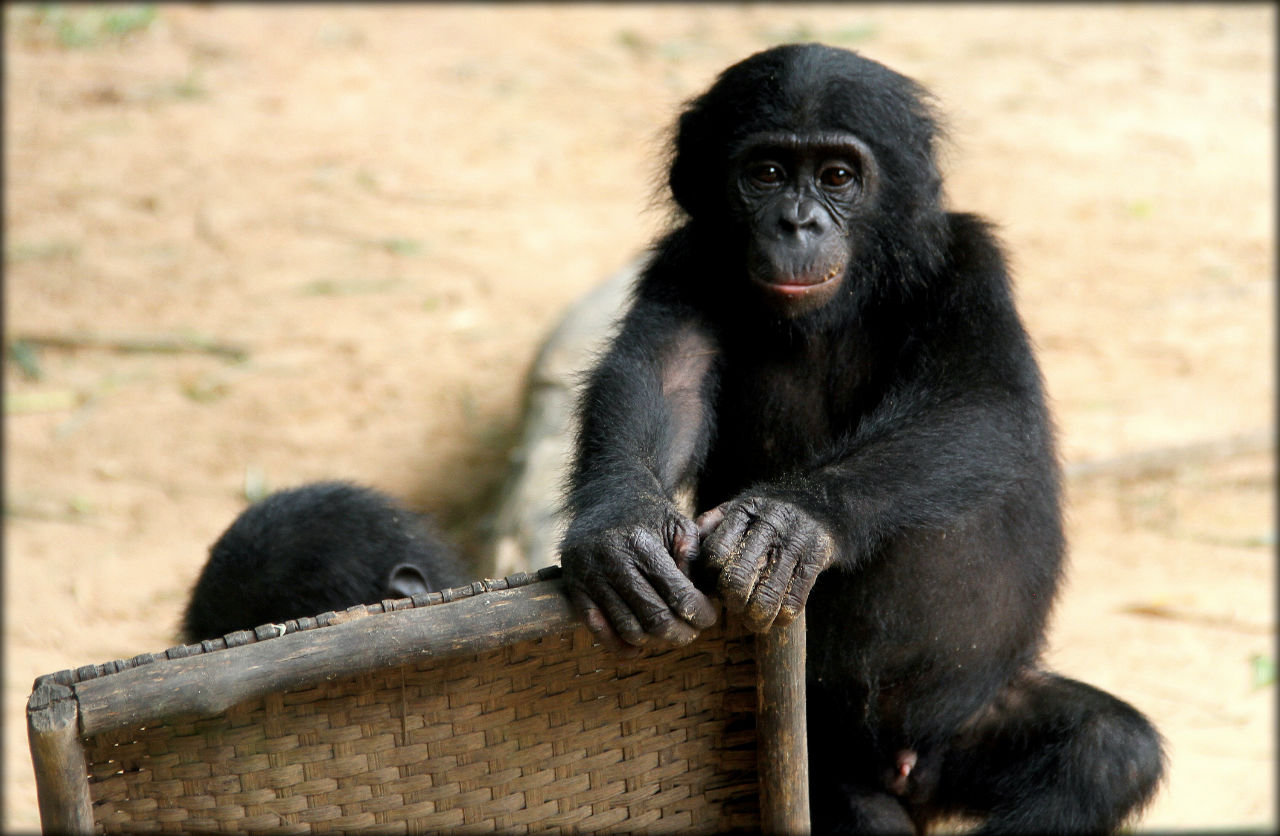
column 387, row 207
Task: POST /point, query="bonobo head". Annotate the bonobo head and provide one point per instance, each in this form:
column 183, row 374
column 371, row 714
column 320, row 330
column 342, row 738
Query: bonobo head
column 816, row 167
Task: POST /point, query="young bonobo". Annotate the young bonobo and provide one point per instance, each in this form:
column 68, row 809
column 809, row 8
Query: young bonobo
column 320, row 547
column 831, row 363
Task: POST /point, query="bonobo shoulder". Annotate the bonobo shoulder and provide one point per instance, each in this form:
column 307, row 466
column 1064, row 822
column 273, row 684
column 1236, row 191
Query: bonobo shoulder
column 975, row 267
column 972, row 244
column 678, row 271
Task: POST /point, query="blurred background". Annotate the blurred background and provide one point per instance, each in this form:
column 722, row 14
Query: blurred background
column 248, row 246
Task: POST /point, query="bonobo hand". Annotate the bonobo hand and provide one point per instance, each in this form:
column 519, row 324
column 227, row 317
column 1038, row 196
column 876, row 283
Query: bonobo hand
column 630, row 584
column 765, row 555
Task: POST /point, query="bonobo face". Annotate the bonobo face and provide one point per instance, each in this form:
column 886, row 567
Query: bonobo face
column 795, row 197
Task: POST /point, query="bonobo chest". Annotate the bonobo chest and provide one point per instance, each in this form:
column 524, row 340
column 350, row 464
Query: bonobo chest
column 782, row 409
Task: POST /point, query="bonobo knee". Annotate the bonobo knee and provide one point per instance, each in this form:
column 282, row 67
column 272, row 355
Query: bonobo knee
column 1128, row 760
column 1067, row 757
column 1117, row 764
column 860, row 810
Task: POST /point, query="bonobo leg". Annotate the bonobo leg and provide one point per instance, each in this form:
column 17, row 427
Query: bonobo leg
column 1052, row 755
column 859, row 810
column 852, row 788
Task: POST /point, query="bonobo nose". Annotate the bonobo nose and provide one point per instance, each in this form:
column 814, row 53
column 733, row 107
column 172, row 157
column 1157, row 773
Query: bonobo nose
column 800, row 217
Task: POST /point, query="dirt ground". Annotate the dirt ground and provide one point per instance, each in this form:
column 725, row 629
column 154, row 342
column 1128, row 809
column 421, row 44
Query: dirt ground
column 386, row 207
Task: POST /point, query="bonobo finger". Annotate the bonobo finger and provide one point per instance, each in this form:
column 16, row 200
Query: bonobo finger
column 653, row 615
column 724, row 541
column 685, row 545
column 790, row 608
column 817, row 556
column 598, row 624
column 603, row 632
column 684, row 599
column 708, row 520
column 741, row 574
column 667, row 628
column 621, row 618
column 762, row 609
column 657, row 592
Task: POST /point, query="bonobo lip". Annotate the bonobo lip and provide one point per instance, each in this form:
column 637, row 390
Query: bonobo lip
column 802, row 284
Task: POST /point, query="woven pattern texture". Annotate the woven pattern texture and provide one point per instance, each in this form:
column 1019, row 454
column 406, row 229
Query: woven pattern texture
column 550, row 735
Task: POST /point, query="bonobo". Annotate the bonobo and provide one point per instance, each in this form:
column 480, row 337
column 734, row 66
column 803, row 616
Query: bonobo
column 830, row 363
column 319, row 547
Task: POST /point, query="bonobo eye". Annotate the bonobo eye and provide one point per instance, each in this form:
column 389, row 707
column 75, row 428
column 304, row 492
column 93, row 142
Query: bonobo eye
column 836, row 176
column 767, row 174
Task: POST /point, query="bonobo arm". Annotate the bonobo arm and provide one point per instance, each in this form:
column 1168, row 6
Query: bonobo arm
column 963, row 422
column 646, row 424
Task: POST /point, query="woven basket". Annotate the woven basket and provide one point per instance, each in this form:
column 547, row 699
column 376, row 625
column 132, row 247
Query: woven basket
column 485, row 708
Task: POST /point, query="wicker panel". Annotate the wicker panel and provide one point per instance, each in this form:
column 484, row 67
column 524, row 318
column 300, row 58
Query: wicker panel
column 546, row 735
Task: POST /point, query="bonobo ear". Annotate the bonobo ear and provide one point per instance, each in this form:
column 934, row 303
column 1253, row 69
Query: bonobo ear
column 691, row 177
column 407, row 580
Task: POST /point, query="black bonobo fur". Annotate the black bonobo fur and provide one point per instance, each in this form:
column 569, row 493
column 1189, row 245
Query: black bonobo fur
column 831, row 365
column 308, row 550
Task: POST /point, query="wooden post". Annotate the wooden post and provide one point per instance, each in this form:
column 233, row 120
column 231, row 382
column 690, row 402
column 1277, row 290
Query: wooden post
column 62, row 779
column 782, row 737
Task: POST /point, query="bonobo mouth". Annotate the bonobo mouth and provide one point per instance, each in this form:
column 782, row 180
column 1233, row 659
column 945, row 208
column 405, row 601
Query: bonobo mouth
column 794, row 285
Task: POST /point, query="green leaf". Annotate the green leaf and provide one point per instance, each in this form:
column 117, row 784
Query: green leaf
column 1264, row 670
column 255, row 483
column 26, row 358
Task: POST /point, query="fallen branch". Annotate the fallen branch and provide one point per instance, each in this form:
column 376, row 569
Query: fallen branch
column 135, row 345
column 1165, row 460
column 1185, row 616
